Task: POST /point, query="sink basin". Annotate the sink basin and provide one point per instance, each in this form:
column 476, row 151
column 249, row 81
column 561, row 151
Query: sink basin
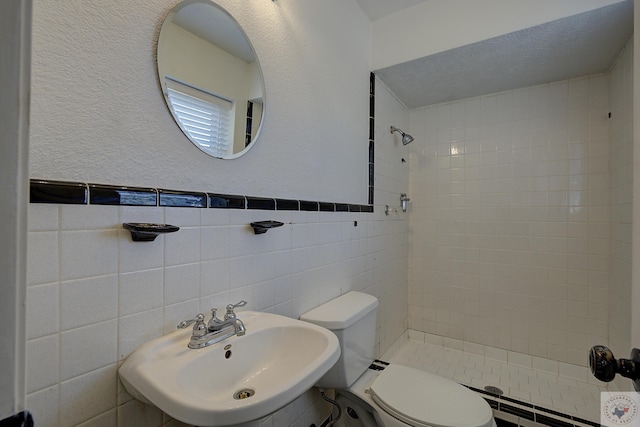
column 236, row 381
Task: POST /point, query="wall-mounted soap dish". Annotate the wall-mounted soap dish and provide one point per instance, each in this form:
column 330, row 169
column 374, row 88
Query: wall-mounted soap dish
column 261, row 227
column 144, row 232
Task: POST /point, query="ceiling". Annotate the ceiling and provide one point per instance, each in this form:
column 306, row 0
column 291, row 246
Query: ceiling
column 209, row 22
column 376, row 9
column 578, row 45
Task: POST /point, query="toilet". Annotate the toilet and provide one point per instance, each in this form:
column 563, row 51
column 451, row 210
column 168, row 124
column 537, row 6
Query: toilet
column 375, row 393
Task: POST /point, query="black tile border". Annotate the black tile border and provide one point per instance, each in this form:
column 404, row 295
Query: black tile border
column 552, row 422
column 100, row 194
column 226, row 201
column 586, row 422
column 262, row 203
column 72, row 193
column 309, row 206
column 182, row 199
column 519, row 412
column 78, row 193
column 531, row 412
column 287, row 205
column 327, row 207
column 372, row 126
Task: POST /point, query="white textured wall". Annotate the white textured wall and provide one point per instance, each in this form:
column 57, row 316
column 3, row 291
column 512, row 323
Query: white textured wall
column 98, row 114
column 509, row 235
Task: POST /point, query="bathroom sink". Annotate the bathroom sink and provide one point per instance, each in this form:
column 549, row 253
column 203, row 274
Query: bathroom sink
column 236, row 381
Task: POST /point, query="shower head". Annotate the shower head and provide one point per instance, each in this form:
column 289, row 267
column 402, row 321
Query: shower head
column 406, row 138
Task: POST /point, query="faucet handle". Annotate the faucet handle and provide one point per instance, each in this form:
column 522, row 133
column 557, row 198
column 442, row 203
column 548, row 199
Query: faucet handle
column 197, row 320
column 230, row 314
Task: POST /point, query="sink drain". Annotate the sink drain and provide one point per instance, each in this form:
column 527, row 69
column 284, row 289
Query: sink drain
column 243, row 394
column 493, row 390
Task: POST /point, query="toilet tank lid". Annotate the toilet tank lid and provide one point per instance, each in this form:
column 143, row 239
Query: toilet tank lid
column 341, row 312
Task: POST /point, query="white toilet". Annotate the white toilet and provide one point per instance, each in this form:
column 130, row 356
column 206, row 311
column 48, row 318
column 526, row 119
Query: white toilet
column 374, row 393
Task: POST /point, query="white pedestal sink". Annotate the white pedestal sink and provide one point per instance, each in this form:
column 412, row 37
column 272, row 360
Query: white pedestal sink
column 236, row 381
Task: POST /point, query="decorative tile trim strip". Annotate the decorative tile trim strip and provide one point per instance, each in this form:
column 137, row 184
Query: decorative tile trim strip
column 130, row 196
column 513, row 410
column 182, row 199
column 527, row 411
column 327, row 207
column 63, row 192
column 227, row 201
column 287, row 205
column 372, row 126
column 262, row 203
column 73, row 193
column 306, row 205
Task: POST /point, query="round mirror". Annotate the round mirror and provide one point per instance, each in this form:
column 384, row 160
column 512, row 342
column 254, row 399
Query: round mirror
column 211, row 78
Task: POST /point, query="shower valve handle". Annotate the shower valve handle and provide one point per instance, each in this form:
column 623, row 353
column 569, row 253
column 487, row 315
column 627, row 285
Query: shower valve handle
column 604, row 365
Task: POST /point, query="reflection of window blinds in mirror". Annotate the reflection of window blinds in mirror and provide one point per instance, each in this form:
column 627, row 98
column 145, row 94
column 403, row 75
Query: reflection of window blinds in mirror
column 204, row 117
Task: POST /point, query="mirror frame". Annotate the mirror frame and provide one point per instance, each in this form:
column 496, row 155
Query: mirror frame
column 163, row 85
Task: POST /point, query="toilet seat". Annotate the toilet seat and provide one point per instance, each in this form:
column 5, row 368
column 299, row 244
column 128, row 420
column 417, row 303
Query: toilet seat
column 421, row 399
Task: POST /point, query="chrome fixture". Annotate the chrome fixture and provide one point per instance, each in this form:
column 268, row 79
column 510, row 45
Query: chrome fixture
column 403, row 201
column 406, row 138
column 215, row 330
column 403, row 205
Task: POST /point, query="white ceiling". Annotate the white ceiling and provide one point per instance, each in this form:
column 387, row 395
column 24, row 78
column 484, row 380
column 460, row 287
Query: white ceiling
column 578, row 45
column 376, row 9
column 211, row 23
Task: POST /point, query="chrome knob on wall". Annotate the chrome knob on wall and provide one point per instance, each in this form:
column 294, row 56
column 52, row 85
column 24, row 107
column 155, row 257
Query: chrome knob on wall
column 604, row 365
column 403, row 201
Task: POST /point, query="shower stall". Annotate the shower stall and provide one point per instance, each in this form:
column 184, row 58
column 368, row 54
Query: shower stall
column 521, row 219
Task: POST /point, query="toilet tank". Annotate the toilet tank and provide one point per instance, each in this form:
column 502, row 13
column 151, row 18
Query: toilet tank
column 352, row 317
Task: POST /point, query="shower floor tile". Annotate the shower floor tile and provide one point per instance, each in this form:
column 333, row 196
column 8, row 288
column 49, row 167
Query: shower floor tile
column 544, row 389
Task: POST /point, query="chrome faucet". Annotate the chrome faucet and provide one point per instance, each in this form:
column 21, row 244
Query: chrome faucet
column 215, row 330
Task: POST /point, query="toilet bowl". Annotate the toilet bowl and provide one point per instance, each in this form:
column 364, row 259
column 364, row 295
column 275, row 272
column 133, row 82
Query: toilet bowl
column 374, row 393
column 400, row 396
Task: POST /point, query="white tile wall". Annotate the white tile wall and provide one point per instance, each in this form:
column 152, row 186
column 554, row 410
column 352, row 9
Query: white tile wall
column 94, row 295
column 386, row 262
column 509, row 231
column 621, row 181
